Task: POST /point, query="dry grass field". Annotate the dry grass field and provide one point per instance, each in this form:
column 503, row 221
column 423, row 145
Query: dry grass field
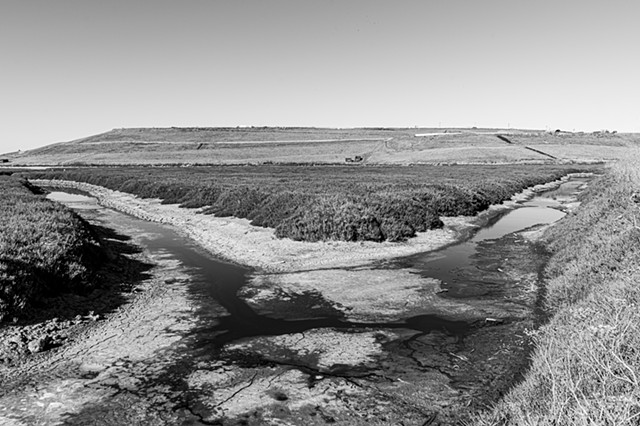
column 210, row 146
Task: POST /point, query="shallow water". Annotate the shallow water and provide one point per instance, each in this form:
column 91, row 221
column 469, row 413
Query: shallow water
column 219, row 281
column 455, row 266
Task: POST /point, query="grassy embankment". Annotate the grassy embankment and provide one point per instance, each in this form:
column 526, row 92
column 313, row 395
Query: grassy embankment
column 586, row 366
column 327, row 203
column 265, row 145
column 45, row 249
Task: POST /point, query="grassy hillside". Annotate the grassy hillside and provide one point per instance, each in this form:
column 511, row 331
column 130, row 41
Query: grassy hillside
column 326, row 202
column 586, row 366
column 152, row 146
column 45, row 249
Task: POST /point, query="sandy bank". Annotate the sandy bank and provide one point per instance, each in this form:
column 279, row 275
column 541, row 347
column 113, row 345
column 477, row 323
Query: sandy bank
column 237, row 240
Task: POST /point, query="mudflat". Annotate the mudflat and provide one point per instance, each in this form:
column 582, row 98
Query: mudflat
column 387, row 355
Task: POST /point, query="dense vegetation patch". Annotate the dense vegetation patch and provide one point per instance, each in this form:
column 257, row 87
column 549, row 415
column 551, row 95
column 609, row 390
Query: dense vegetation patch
column 45, row 249
column 313, row 203
column 586, row 366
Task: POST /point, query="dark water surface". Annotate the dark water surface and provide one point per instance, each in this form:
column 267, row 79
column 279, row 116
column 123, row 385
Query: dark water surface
column 457, row 266
column 220, row 281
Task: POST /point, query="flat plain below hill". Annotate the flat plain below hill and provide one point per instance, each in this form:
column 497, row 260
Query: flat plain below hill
column 260, row 145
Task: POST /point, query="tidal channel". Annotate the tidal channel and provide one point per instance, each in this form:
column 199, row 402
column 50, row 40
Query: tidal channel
column 473, row 270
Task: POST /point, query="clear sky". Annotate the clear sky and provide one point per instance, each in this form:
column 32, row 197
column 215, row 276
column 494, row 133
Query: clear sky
column 72, row 68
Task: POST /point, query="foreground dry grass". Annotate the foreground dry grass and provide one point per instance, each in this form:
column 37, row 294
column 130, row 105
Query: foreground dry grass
column 586, row 366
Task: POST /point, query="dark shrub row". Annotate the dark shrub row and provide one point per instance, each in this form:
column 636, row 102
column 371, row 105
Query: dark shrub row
column 348, row 219
column 45, row 249
column 322, row 203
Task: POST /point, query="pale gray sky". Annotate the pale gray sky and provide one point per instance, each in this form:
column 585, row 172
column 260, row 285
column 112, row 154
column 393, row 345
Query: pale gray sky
column 72, row 68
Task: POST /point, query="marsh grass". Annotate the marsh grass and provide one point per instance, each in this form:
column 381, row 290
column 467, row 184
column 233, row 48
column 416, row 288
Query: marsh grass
column 585, row 369
column 326, row 202
column 45, row 249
